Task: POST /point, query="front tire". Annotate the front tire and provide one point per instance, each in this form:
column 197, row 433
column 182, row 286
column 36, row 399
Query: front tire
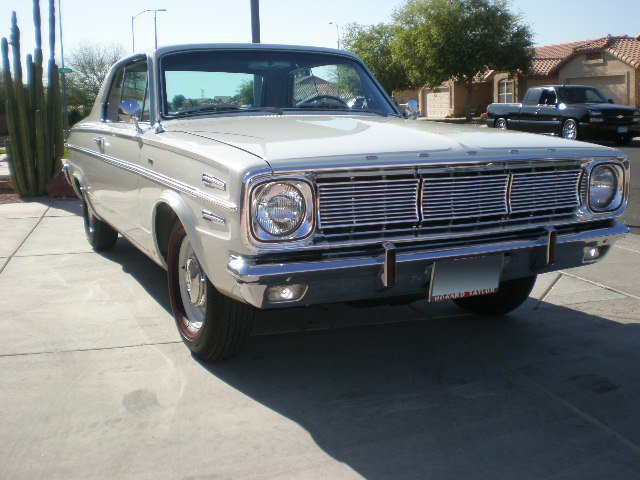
column 213, row 326
column 100, row 235
column 570, row 129
column 510, row 295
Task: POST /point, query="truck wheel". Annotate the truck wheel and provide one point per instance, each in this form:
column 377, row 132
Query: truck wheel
column 510, row 295
column 213, row 326
column 570, row 129
column 501, row 124
column 99, row 234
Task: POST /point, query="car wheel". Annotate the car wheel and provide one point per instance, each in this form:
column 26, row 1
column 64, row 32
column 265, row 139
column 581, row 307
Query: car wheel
column 570, row 130
column 213, row 326
column 623, row 139
column 510, row 295
column 501, row 124
column 99, row 234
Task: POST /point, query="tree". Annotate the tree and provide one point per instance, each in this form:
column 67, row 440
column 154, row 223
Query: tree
column 244, row 95
column 373, row 44
column 90, row 62
column 444, row 39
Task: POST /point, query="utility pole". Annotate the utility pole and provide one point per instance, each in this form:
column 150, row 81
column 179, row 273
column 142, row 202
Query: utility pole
column 255, row 21
column 65, row 103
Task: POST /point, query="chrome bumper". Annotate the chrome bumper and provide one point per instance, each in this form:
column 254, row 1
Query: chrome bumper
column 393, row 272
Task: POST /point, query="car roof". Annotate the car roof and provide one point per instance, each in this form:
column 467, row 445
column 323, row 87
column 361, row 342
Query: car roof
column 248, row 46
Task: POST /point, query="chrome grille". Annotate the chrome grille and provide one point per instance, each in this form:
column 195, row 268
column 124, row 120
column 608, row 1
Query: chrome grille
column 535, row 191
column 450, row 198
column 361, row 203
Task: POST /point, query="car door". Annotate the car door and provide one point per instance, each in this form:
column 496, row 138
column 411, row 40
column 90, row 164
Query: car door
column 115, row 183
column 547, row 116
column 529, row 110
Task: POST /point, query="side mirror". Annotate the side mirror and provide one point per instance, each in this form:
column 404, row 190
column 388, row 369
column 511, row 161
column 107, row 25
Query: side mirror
column 130, row 111
column 411, row 111
column 610, row 100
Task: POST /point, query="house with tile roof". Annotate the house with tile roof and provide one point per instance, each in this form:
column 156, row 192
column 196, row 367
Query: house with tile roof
column 611, row 63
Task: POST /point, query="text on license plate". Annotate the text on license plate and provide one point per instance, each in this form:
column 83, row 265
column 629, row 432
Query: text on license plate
column 623, row 129
column 465, row 277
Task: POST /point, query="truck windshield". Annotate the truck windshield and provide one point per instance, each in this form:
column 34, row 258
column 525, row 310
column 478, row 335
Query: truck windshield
column 223, row 82
column 581, row 95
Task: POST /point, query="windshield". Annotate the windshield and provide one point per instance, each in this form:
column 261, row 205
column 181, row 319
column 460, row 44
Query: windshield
column 581, row 95
column 199, row 82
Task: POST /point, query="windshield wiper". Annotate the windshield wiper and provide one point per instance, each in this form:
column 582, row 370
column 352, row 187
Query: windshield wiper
column 226, row 108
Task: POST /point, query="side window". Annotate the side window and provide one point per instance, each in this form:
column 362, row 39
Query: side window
column 114, row 97
column 548, row 97
column 129, row 83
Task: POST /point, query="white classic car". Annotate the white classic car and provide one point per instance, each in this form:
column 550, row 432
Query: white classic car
column 264, row 176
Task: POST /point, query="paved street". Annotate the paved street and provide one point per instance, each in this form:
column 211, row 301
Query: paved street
column 95, row 382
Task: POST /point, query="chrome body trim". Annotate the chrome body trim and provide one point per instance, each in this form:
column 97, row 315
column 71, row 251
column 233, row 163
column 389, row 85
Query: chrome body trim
column 158, row 178
column 213, row 218
column 213, row 182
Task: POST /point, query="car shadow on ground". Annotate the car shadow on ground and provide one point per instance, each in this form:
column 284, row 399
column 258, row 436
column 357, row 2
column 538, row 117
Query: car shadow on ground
column 537, row 394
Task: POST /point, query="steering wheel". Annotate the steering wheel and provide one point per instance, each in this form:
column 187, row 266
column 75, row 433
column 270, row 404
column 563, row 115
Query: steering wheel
column 318, row 97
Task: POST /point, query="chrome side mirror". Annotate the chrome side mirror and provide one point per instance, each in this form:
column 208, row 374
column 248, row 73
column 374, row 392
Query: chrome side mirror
column 130, row 111
column 411, row 110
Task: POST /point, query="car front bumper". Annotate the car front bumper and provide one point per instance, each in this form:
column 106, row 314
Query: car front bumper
column 608, row 130
column 392, row 272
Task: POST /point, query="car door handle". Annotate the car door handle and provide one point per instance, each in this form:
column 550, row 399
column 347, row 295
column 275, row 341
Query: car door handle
column 98, row 141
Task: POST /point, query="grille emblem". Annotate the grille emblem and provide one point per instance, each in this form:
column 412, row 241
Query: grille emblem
column 620, row 117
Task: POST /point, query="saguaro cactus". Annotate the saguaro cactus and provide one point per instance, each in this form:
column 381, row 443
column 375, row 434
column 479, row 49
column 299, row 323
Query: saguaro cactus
column 34, row 112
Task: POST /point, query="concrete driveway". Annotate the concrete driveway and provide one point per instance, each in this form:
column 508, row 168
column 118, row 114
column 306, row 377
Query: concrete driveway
column 95, row 383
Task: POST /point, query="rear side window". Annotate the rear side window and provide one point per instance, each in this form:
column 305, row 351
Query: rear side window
column 532, row 96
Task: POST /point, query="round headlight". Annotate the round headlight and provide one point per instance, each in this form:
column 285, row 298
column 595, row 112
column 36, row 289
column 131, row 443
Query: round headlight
column 603, row 186
column 279, row 209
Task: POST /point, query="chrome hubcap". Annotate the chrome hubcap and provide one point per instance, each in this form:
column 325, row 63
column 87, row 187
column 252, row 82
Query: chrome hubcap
column 501, row 124
column 570, row 130
column 194, row 281
column 193, row 288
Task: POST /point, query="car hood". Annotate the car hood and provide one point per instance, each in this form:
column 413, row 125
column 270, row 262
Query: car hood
column 609, row 107
column 295, row 141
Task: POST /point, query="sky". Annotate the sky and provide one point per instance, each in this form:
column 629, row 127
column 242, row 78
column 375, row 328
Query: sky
column 289, row 21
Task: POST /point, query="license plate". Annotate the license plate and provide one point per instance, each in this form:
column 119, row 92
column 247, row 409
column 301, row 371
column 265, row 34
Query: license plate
column 466, row 277
column 623, row 129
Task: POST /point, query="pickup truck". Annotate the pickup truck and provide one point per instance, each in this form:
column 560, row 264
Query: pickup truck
column 571, row 111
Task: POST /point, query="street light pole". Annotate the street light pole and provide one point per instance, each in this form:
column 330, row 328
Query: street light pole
column 337, row 32
column 255, row 21
column 155, row 25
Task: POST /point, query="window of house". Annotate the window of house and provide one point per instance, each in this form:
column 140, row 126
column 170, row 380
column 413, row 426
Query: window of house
column 506, row 89
column 591, row 56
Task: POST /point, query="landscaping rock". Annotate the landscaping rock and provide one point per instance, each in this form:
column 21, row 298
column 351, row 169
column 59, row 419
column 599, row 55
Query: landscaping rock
column 59, row 187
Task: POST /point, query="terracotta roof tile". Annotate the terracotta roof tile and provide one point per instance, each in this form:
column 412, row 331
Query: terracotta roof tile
column 549, row 57
column 626, row 49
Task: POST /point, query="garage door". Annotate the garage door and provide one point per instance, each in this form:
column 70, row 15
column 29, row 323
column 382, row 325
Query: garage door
column 613, row 86
column 438, row 103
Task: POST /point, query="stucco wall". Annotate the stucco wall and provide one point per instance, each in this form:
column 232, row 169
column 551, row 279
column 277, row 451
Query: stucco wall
column 615, row 78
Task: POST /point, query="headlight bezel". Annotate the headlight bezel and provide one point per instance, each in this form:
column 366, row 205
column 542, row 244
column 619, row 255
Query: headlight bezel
column 306, row 226
column 618, row 197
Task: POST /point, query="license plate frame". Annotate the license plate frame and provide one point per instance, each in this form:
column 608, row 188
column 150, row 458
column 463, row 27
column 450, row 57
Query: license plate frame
column 623, row 129
column 465, row 277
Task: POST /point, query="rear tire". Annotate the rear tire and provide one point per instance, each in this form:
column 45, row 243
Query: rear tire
column 510, row 295
column 213, row 326
column 570, row 129
column 501, row 124
column 99, row 234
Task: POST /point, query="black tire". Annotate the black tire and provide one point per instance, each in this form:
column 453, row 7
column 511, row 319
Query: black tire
column 226, row 323
column 99, row 234
column 510, row 295
column 500, row 124
column 570, row 129
column 623, row 139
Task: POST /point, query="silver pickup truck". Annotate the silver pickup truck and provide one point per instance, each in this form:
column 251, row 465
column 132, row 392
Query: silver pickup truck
column 254, row 177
